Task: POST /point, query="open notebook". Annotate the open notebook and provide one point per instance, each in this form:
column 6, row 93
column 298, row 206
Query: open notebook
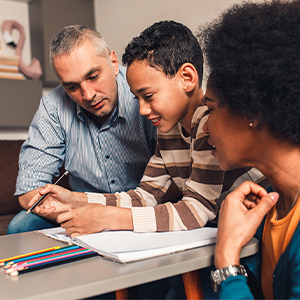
column 126, row 246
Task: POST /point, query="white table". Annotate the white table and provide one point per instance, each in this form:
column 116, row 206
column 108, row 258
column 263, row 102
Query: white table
column 96, row 275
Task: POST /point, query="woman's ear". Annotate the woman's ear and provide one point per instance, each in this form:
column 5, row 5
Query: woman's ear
column 189, row 76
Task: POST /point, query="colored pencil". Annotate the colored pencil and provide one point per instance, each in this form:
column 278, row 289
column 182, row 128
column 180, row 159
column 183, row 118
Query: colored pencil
column 48, row 264
column 48, row 259
column 65, row 248
column 53, row 255
column 2, row 261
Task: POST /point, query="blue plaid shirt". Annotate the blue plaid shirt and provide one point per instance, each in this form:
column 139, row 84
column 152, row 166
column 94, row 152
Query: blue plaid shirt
column 108, row 159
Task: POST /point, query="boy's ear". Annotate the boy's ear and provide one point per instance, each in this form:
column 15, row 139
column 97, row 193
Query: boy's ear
column 189, row 76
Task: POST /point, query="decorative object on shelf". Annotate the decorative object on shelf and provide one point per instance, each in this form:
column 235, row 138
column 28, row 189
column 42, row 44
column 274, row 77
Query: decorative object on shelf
column 34, row 70
column 9, row 67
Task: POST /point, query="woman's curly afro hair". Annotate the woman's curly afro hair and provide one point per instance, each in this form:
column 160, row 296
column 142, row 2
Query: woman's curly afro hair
column 253, row 52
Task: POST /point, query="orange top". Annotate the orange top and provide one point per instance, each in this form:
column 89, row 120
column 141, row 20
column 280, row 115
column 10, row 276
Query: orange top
column 276, row 236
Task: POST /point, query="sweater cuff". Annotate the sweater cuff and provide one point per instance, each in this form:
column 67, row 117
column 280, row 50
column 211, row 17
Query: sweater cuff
column 96, row 198
column 143, row 219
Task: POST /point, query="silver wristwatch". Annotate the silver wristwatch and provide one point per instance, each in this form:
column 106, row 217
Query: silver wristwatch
column 219, row 275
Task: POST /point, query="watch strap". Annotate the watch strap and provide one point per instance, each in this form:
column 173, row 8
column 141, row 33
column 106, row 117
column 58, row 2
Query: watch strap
column 220, row 275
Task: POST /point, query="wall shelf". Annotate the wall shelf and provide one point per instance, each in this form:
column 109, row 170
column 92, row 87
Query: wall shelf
column 19, row 102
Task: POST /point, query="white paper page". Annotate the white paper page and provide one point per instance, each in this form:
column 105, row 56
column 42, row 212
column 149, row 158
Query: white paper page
column 127, row 246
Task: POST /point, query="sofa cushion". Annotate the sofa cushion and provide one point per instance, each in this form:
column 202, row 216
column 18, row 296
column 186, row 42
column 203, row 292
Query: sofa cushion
column 9, row 157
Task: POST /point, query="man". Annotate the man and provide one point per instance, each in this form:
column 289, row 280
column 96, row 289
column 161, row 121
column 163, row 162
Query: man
column 90, row 123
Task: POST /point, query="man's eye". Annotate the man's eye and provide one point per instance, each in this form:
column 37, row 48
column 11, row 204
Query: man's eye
column 94, row 77
column 71, row 88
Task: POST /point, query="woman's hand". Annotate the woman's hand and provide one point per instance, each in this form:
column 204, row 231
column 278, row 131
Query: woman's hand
column 240, row 215
column 58, row 200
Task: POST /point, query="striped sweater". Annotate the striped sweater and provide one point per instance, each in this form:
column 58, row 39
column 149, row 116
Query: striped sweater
column 188, row 161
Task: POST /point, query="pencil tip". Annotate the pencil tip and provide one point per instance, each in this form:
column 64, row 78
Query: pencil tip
column 14, row 274
column 28, row 211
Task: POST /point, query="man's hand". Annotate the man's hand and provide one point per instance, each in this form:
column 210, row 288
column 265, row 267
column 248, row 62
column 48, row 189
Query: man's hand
column 26, row 198
column 58, row 200
column 93, row 217
column 239, row 219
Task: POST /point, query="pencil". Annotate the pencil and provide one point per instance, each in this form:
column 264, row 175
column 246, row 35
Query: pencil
column 46, row 257
column 42, row 198
column 50, row 263
column 45, row 260
column 8, row 264
column 2, row 261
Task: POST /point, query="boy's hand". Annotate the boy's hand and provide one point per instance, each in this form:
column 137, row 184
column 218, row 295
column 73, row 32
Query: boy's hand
column 93, row 217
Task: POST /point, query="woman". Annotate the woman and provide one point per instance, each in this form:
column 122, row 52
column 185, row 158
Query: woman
column 253, row 94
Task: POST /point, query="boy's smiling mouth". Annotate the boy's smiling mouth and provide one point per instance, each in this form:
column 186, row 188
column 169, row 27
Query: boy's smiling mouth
column 155, row 121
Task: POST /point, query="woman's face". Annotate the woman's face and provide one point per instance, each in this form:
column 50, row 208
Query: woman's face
column 230, row 134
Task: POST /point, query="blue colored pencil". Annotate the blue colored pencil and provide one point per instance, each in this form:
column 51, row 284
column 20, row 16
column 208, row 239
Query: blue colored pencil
column 65, row 248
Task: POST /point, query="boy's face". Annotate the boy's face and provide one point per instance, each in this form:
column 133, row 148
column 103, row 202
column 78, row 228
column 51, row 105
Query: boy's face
column 162, row 99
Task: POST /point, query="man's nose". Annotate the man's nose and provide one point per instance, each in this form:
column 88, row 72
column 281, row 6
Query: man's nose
column 87, row 91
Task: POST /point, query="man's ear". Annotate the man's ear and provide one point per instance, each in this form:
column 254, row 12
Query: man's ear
column 114, row 61
column 189, row 76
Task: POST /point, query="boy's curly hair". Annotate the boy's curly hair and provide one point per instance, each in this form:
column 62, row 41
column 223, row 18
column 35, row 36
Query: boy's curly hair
column 166, row 45
column 253, row 52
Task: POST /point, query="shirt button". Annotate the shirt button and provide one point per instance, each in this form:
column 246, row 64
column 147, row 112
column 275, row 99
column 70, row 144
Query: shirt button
column 107, row 156
column 113, row 181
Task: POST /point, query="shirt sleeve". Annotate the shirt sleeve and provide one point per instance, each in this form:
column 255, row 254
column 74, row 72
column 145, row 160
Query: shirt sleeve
column 235, row 287
column 43, row 152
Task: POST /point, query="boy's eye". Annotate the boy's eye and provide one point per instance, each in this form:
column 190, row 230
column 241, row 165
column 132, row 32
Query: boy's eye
column 148, row 97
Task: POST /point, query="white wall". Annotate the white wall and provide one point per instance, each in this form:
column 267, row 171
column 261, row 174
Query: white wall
column 120, row 20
